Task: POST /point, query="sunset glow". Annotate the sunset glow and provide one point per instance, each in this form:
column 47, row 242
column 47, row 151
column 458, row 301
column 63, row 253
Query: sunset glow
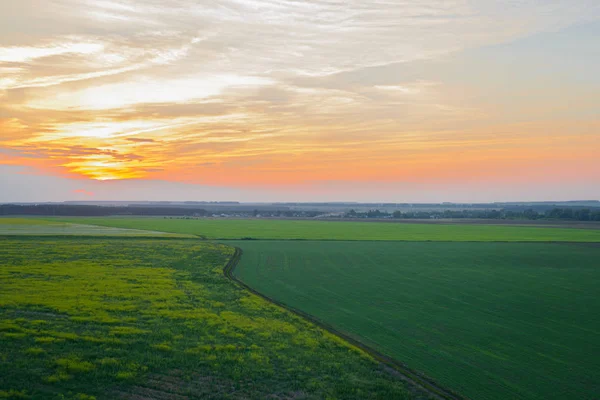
column 266, row 100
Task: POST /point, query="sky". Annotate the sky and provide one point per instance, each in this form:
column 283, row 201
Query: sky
column 293, row 100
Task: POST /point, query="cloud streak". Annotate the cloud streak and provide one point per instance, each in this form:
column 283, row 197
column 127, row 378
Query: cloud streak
column 249, row 92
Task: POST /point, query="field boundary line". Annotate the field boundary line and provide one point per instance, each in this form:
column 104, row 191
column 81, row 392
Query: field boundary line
column 4, row 236
column 395, row 240
column 406, row 374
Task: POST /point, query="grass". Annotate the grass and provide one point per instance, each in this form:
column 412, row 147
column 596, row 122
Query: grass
column 27, row 221
column 328, row 230
column 35, row 226
column 141, row 318
column 491, row 321
column 127, row 317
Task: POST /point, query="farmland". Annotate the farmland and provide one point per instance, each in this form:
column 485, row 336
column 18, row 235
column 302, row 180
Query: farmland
column 490, row 312
column 34, row 226
column 489, row 320
column 327, row 230
column 152, row 318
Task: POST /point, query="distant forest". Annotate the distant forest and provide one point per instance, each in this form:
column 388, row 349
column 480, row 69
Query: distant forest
column 95, row 211
column 542, row 213
column 569, row 214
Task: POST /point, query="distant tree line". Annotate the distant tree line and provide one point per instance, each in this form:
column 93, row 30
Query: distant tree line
column 94, row 211
column 565, row 213
column 571, row 214
column 78, row 210
column 286, row 213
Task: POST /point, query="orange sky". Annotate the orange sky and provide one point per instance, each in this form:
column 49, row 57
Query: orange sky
column 291, row 97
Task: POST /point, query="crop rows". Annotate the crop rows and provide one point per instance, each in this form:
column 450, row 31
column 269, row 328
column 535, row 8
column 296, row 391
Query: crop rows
column 328, row 230
column 488, row 320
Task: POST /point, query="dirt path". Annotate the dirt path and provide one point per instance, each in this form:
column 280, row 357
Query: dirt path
column 417, row 383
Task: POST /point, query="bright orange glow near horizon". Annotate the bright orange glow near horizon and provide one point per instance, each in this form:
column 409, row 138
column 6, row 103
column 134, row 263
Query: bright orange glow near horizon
column 250, row 95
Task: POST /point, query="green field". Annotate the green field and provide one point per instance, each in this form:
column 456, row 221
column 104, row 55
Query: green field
column 491, row 312
column 35, row 226
column 327, row 230
column 148, row 318
column 489, row 320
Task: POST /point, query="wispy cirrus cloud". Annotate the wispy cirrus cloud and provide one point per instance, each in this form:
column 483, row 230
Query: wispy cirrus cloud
column 264, row 92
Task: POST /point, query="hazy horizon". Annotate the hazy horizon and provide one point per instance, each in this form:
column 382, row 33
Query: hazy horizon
column 33, row 188
column 257, row 101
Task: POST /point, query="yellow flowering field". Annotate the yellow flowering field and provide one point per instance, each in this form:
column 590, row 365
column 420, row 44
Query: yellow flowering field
column 150, row 318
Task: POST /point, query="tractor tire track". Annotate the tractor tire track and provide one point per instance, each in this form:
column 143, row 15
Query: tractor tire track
column 416, row 381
